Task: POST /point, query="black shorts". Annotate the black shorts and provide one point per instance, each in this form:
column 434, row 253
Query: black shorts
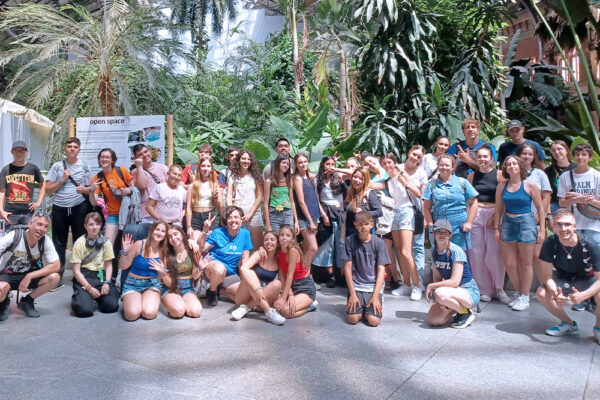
column 567, row 286
column 14, row 280
column 364, row 298
column 305, row 285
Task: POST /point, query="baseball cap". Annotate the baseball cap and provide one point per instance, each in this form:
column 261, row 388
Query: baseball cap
column 19, row 143
column 515, row 123
column 442, row 224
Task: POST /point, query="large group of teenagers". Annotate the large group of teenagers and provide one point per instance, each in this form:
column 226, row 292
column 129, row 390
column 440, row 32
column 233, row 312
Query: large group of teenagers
column 151, row 234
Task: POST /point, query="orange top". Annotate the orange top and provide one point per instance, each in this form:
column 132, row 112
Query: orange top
column 114, row 182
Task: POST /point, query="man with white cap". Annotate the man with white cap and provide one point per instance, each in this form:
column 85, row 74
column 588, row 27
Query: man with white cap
column 516, row 130
column 17, row 185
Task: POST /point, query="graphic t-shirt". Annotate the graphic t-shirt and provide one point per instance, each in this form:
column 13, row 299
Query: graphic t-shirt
column 66, row 195
column 112, row 190
column 18, row 184
column 586, row 183
column 81, row 251
column 169, row 202
column 157, row 171
column 365, row 257
column 228, row 249
column 17, row 261
column 444, row 262
column 463, row 169
column 584, row 258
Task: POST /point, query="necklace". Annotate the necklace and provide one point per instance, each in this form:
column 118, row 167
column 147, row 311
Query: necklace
column 181, row 256
column 568, row 252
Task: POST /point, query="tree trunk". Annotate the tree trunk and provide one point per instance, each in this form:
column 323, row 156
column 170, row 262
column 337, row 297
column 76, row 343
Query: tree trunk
column 106, row 94
column 344, row 117
column 294, row 34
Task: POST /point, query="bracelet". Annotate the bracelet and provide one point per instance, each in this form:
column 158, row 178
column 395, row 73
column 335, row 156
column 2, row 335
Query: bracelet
column 123, row 252
column 106, row 283
column 163, row 272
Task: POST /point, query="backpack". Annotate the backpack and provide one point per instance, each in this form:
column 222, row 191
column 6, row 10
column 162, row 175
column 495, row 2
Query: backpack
column 19, row 232
column 383, row 224
column 97, row 208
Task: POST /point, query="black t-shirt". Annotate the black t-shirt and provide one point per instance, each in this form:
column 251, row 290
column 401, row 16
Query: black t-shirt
column 553, row 174
column 18, row 184
column 571, row 262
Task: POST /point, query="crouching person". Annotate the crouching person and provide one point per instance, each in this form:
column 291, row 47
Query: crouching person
column 454, row 290
column 92, row 271
column 30, row 262
column 368, row 255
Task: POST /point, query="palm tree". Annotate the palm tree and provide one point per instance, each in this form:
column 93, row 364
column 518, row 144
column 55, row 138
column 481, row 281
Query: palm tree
column 53, row 46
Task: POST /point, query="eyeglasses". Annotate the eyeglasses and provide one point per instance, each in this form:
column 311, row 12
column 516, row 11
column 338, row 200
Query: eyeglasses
column 41, row 214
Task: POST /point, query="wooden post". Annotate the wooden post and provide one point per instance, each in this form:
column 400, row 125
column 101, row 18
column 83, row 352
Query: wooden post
column 72, row 125
column 170, row 139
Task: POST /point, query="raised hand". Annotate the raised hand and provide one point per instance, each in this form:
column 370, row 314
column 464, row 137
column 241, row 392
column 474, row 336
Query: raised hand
column 127, row 241
column 157, row 266
column 209, row 222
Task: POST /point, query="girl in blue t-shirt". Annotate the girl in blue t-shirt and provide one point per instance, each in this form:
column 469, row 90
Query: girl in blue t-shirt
column 453, row 287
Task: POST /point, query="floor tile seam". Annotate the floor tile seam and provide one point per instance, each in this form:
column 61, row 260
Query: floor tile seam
column 587, row 381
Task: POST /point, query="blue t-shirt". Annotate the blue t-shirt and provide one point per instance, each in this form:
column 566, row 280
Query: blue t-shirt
column 228, row 249
column 449, row 200
column 444, row 264
column 463, row 169
column 509, row 148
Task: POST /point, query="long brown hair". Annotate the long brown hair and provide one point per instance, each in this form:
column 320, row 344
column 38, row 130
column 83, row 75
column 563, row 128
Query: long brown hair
column 294, row 244
column 563, row 144
column 171, row 257
column 297, row 173
column 146, row 249
column 353, row 197
column 197, row 184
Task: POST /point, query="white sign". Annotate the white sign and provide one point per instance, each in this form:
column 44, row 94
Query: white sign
column 120, row 134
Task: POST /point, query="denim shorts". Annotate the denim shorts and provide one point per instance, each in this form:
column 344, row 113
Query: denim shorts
column 521, row 229
column 256, row 221
column 590, row 235
column 280, row 218
column 140, row 285
column 404, row 219
column 185, row 286
column 305, row 224
column 472, row 289
column 113, row 219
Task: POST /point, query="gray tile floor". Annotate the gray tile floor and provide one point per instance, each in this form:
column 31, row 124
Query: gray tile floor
column 503, row 355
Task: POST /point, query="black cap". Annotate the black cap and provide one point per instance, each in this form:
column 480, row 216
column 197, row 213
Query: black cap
column 515, row 123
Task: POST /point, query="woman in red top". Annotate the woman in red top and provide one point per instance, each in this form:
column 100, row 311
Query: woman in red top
column 298, row 296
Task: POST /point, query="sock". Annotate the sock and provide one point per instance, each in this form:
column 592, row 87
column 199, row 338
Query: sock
column 464, row 311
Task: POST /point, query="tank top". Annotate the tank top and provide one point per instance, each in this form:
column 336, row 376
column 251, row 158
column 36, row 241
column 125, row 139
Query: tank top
column 264, row 275
column 141, row 265
column 486, row 185
column 205, row 198
column 330, row 199
column 311, row 200
column 244, row 192
column 280, row 197
column 300, row 271
column 185, row 268
column 518, row 202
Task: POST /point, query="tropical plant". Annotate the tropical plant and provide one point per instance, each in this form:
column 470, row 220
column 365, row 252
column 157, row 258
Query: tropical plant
column 220, row 135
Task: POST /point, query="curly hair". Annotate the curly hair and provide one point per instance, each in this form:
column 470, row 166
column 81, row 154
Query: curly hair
column 171, row 257
column 521, row 167
column 236, row 169
column 335, row 186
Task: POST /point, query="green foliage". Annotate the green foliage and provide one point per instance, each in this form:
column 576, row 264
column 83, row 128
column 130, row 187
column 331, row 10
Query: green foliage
column 220, row 135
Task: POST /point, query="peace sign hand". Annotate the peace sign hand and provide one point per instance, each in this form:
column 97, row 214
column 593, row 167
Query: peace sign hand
column 209, row 222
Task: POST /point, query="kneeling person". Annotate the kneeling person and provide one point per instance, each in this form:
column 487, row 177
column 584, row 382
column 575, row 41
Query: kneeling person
column 368, row 255
column 576, row 274
column 454, row 290
column 30, row 263
column 92, row 270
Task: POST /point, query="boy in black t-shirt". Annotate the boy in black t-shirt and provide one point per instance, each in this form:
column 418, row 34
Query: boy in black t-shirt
column 368, row 254
column 576, row 274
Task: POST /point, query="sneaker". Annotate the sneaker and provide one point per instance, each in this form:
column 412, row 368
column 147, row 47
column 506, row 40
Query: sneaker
column 521, row 304
column 59, row 285
column 331, row 282
column 26, row 305
column 4, row 305
column 313, row 306
column 590, row 307
column 579, row 307
column 485, row 297
column 514, row 300
column 240, row 312
column 501, row 296
column 416, row 293
column 317, row 286
column 211, row 297
column 461, row 321
column 274, row 317
column 562, row 329
column 596, row 332
column 394, row 285
column 402, row 291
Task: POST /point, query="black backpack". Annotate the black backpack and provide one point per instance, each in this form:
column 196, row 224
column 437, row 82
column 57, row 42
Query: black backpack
column 19, row 232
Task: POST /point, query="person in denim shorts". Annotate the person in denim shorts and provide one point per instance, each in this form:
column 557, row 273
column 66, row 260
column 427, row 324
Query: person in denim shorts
column 519, row 231
column 278, row 196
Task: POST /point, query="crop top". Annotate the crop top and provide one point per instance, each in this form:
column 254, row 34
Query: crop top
column 300, row 271
column 185, row 268
column 264, row 275
column 205, row 199
column 486, row 185
column 518, row 202
column 140, row 265
column 280, row 197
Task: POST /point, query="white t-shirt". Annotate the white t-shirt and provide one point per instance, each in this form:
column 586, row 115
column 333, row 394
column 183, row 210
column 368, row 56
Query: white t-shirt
column 169, row 202
column 398, row 192
column 429, row 164
column 17, row 261
column 586, row 183
column 540, row 179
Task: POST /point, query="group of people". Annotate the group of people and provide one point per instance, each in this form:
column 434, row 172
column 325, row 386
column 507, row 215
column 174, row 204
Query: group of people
column 363, row 224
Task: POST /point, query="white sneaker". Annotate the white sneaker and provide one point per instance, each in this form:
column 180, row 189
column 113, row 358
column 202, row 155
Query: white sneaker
column 416, row 293
column 513, row 301
column 403, row 290
column 485, row 297
column 317, row 286
column 240, row 312
column 313, row 306
column 562, row 329
column 501, row 296
column 274, row 317
column 521, row 304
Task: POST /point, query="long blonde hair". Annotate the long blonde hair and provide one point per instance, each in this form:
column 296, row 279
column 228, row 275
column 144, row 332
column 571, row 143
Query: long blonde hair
column 353, row 197
column 197, row 184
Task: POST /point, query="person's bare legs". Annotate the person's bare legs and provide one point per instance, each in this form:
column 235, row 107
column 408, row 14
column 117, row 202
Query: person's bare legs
column 46, row 284
column 150, row 304
column 392, row 268
column 111, row 232
column 309, row 246
column 510, row 257
column 525, row 268
column 438, row 315
column 256, row 236
column 132, row 306
column 547, row 300
column 303, row 301
column 4, row 289
column 403, row 241
column 215, row 272
column 193, row 307
column 456, row 299
column 174, row 305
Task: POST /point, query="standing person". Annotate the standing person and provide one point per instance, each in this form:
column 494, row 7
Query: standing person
column 224, row 175
column 279, row 205
column 141, row 291
column 365, row 257
column 260, row 287
column 166, row 199
column 70, row 182
column 378, row 174
column 298, row 295
column 516, row 130
column 189, row 171
column 464, row 150
column 561, row 163
column 331, row 200
column 282, row 148
column 519, row 231
column 307, row 207
column 245, row 190
column 486, row 253
column 92, row 271
column 429, row 162
column 453, row 289
column 203, row 200
column 451, row 198
column 576, row 274
column 29, row 262
column 146, row 175
column 360, row 198
column 17, row 179
column 113, row 182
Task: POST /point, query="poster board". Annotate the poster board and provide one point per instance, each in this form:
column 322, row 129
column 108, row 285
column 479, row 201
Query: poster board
column 120, row 134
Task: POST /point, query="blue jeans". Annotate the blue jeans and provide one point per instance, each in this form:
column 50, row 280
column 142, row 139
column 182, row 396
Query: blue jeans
column 589, row 235
column 419, row 253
